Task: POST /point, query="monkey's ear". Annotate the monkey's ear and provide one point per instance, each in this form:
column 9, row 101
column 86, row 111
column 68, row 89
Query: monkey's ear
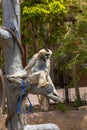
column 40, row 53
column 47, row 49
column 50, row 52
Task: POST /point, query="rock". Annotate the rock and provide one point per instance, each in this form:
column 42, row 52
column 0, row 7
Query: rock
column 48, row 126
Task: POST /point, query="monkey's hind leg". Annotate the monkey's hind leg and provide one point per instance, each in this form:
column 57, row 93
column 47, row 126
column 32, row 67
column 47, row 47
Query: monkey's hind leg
column 34, row 78
column 42, row 79
column 44, row 102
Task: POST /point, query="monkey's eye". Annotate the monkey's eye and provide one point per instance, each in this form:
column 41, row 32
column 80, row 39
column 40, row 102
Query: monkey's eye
column 47, row 55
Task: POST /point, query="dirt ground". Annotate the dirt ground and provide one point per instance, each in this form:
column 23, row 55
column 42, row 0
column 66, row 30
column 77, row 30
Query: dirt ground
column 69, row 120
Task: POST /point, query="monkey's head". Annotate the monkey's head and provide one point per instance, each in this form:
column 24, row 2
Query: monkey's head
column 45, row 54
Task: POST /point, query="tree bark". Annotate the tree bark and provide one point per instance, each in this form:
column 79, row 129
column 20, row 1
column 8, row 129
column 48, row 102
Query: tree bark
column 13, row 64
column 0, row 4
column 74, row 73
column 2, row 92
column 66, row 83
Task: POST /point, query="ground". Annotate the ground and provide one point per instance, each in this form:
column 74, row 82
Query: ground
column 70, row 118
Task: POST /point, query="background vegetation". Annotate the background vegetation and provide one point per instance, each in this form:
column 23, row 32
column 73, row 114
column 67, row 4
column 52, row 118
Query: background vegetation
column 60, row 25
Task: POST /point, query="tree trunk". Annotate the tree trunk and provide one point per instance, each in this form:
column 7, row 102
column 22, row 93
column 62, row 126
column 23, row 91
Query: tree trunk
column 2, row 92
column 74, row 71
column 24, row 62
column 13, row 64
column 66, row 83
column 0, row 4
column 35, row 37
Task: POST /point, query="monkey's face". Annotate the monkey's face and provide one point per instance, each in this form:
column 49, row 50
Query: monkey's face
column 45, row 54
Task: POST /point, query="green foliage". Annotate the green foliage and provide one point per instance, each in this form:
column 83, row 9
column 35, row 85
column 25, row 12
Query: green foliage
column 1, row 60
column 62, row 107
column 60, row 25
column 40, row 22
column 0, row 17
column 43, row 10
column 40, row 8
column 73, row 46
column 78, row 102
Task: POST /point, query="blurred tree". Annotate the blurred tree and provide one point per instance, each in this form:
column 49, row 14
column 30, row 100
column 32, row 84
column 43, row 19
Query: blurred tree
column 61, row 26
column 41, row 20
column 1, row 50
column 74, row 45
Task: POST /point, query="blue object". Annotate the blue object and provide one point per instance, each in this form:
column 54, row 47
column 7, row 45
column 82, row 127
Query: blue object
column 21, row 96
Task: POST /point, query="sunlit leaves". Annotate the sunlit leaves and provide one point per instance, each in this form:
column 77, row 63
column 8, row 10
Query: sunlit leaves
column 44, row 9
column 35, row 11
column 56, row 7
column 45, row 16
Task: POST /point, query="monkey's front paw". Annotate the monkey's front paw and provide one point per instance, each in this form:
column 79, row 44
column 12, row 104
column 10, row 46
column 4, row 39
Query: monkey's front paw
column 38, row 86
column 60, row 99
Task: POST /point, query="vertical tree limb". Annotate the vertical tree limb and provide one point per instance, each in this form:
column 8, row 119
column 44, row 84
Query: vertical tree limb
column 13, row 64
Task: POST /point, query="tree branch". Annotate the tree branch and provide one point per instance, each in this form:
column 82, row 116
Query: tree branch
column 5, row 34
column 34, row 89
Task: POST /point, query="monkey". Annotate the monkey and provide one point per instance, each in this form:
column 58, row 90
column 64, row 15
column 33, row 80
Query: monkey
column 39, row 67
column 38, row 70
